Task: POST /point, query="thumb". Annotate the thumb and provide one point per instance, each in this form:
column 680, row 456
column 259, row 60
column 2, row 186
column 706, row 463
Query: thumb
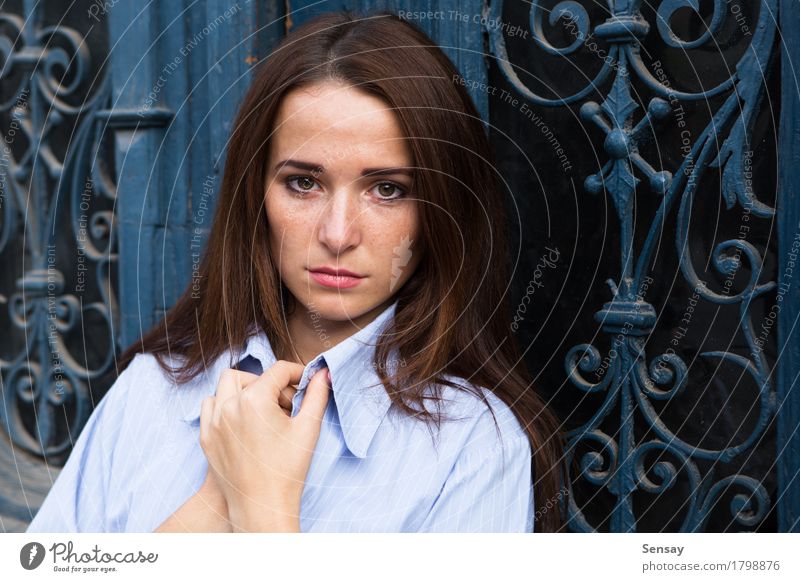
column 316, row 399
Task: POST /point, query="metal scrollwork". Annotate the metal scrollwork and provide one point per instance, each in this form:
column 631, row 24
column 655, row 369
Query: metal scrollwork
column 631, row 380
column 45, row 195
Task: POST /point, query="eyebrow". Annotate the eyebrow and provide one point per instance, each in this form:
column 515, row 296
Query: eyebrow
column 318, row 169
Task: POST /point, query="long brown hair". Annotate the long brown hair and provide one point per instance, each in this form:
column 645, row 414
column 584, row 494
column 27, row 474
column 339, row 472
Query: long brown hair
column 452, row 315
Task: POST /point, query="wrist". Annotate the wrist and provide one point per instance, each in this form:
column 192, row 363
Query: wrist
column 211, row 494
column 265, row 515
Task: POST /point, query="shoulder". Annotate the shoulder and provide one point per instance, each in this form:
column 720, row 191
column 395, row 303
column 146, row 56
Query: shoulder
column 143, row 375
column 140, row 370
column 146, row 367
column 147, row 392
column 485, row 423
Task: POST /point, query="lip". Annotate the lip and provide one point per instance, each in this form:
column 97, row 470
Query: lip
column 338, row 272
column 335, row 278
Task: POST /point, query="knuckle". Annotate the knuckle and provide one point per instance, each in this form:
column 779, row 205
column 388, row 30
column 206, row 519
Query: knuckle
column 227, row 375
column 228, row 407
column 248, row 397
column 215, row 423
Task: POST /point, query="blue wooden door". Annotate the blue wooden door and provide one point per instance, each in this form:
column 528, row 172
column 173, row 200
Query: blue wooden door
column 654, row 295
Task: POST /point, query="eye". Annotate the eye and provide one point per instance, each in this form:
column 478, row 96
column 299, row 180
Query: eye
column 304, row 184
column 389, row 191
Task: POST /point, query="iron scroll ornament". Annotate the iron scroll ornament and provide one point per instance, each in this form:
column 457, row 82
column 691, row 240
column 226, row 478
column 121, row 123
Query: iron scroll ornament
column 43, row 195
column 619, row 465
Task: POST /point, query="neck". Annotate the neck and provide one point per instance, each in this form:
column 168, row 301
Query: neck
column 311, row 334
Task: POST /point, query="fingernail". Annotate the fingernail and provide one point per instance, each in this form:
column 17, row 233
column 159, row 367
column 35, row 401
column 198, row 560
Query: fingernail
column 328, row 374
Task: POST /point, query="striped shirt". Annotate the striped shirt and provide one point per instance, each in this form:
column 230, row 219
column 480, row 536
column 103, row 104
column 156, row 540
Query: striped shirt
column 374, row 469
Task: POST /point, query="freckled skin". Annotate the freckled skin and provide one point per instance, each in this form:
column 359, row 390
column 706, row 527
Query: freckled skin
column 340, row 218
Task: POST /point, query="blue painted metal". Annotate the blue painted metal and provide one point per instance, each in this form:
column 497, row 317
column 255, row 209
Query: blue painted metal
column 36, row 186
column 788, row 386
column 57, row 229
column 629, row 381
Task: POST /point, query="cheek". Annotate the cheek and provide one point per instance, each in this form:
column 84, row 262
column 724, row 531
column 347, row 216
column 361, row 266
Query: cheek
column 404, row 227
column 394, row 239
column 290, row 228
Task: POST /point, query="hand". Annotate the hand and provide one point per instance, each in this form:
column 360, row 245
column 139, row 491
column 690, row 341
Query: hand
column 257, row 453
column 207, row 510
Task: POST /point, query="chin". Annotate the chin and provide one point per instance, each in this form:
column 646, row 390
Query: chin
column 336, row 306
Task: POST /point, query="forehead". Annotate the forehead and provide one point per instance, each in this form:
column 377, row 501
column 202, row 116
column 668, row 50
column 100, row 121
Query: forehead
column 335, row 121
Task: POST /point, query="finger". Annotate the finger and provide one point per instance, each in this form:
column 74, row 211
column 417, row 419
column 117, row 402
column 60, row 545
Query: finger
column 277, row 377
column 286, row 397
column 231, row 383
column 316, row 399
column 206, row 413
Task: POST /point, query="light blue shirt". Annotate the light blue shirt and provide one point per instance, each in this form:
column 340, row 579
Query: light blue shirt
column 138, row 459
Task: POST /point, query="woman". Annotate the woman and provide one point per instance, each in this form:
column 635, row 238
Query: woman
column 355, row 275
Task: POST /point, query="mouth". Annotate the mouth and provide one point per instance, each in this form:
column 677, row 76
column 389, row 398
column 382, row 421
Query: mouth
column 335, row 278
column 336, row 272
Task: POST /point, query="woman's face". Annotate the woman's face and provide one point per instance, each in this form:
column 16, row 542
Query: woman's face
column 338, row 198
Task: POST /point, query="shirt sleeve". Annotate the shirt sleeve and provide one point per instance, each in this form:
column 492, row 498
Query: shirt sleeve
column 486, row 491
column 77, row 500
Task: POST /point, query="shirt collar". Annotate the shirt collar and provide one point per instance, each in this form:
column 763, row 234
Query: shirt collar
column 360, row 397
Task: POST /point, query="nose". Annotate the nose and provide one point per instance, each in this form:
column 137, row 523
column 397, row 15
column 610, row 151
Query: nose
column 339, row 224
